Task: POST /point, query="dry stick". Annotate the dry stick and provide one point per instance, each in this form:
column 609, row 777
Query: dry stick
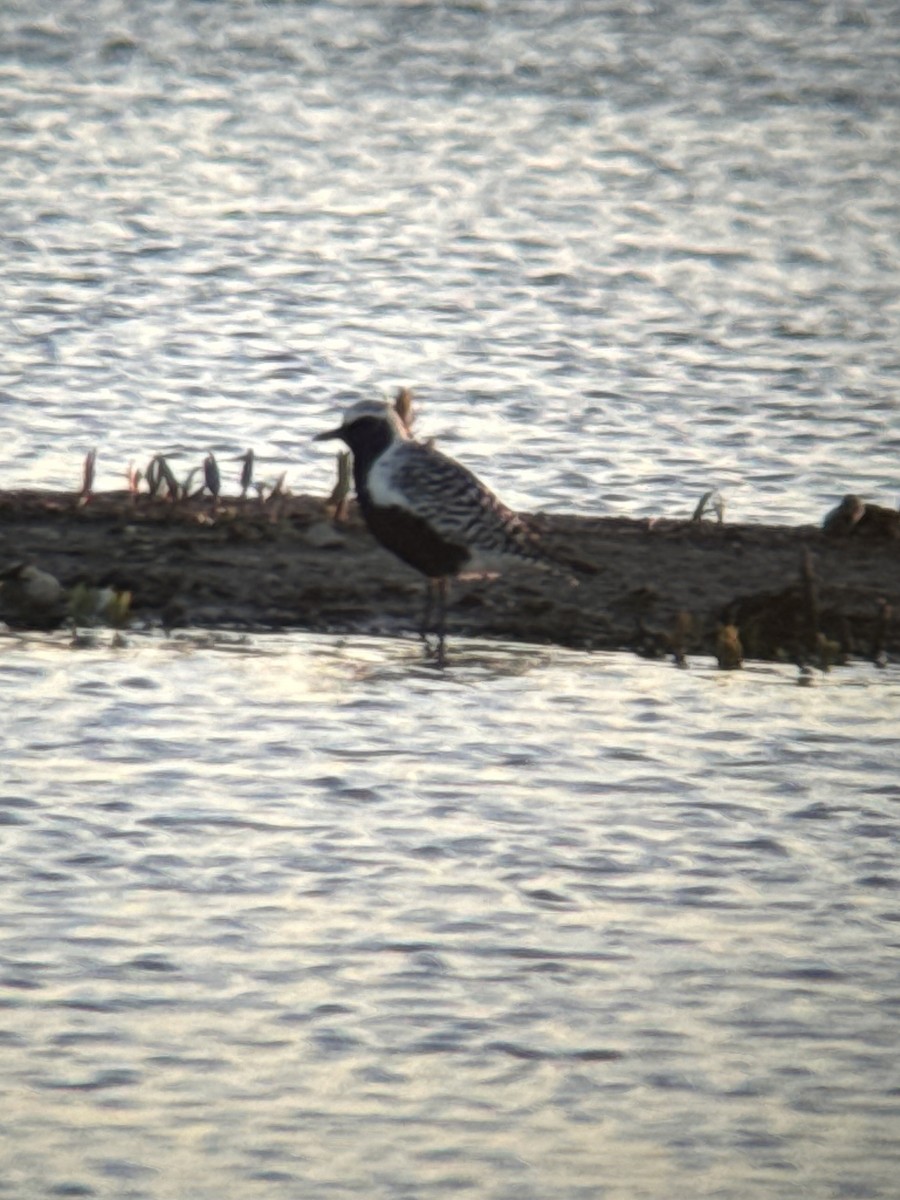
column 247, row 459
column 87, row 477
column 153, row 475
column 403, row 406
column 275, row 501
column 189, row 483
column 713, row 500
column 134, row 478
column 211, row 479
column 341, row 491
column 168, row 477
column 158, row 473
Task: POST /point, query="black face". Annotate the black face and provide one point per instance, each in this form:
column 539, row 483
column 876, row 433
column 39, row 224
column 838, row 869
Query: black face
column 367, row 436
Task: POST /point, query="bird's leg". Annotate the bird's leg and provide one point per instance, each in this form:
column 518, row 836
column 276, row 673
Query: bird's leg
column 435, row 603
column 429, row 606
column 440, row 653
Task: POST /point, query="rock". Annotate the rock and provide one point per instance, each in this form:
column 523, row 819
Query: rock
column 323, row 536
column 31, row 598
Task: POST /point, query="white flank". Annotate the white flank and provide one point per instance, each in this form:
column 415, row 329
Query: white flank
column 381, row 487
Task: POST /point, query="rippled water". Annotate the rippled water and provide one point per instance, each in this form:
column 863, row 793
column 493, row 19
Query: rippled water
column 291, row 918
column 296, row 918
column 622, row 252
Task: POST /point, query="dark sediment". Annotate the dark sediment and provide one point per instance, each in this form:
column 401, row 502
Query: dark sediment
column 656, row 587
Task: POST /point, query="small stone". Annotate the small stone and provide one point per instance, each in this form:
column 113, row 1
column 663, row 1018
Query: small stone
column 323, row 536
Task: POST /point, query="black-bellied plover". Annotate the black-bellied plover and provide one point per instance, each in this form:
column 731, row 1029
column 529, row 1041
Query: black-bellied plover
column 428, row 509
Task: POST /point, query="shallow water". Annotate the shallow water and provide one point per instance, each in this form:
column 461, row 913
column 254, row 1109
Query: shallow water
column 296, row 918
column 301, row 918
column 623, row 253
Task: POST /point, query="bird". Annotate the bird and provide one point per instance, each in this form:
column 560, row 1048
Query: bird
column 844, row 519
column 855, row 516
column 430, row 511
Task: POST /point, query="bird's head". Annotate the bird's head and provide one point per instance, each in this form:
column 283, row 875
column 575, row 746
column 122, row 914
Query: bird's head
column 368, row 424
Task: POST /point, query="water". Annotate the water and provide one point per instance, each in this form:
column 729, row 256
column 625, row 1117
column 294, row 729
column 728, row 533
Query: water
column 294, row 918
column 297, row 918
column 623, row 253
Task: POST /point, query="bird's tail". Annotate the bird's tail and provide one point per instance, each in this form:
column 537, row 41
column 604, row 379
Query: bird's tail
column 555, row 557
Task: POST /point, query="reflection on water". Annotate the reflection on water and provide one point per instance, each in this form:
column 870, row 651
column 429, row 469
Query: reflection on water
column 296, row 917
column 624, row 253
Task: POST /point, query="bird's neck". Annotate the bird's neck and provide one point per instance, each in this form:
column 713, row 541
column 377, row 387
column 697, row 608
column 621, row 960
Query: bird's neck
column 368, row 445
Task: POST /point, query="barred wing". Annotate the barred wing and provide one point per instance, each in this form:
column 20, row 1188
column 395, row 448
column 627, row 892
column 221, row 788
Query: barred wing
column 456, row 504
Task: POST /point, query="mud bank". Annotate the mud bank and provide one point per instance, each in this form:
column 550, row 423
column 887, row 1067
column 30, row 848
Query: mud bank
column 655, row 587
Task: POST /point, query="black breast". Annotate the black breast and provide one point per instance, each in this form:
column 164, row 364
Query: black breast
column 413, row 540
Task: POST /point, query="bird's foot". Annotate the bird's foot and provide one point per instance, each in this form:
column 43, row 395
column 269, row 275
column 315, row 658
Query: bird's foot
column 435, row 652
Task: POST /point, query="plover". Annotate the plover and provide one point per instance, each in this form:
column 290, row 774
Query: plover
column 430, row 511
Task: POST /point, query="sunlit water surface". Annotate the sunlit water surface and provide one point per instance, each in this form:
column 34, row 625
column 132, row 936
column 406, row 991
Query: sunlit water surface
column 623, row 252
column 290, row 918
